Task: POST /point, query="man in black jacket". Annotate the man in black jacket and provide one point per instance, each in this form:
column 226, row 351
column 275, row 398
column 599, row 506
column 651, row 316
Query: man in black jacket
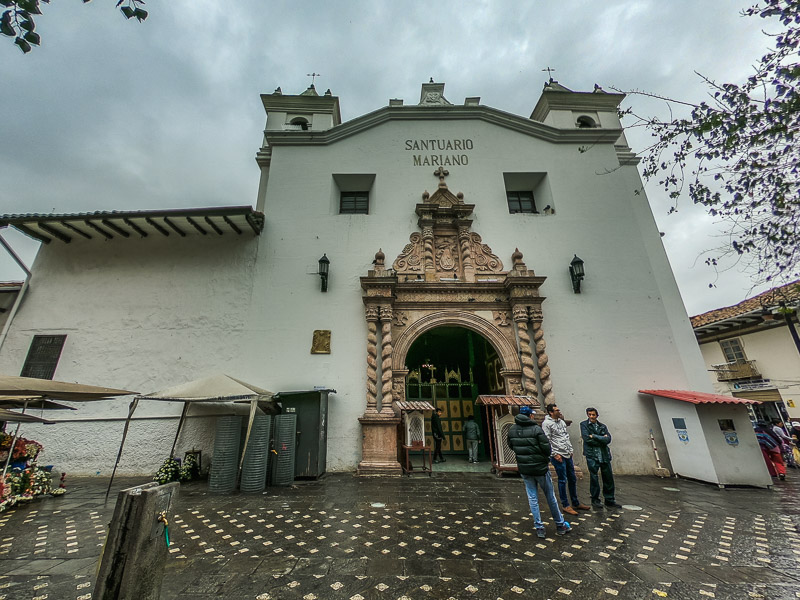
column 532, row 448
column 596, row 439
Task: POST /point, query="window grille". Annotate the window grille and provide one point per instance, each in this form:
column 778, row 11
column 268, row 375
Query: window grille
column 43, row 356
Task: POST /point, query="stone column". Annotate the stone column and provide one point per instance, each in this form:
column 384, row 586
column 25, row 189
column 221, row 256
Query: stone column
column 466, row 253
column 386, row 361
column 541, row 355
column 528, row 374
column 372, row 363
column 427, row 253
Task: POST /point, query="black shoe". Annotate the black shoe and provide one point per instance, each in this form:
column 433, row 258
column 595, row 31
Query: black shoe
column 613, row 505
column 597, row 504
column 442, row 460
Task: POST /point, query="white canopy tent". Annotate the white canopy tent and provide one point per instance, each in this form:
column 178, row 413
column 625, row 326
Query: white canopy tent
column 25, row 392
column 213, row 389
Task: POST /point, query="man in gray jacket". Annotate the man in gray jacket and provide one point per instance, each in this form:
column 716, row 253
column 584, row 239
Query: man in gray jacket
column 472, row 435
column 555, row 428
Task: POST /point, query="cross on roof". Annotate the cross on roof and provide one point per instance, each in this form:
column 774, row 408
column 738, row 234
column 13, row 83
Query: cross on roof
column 549, row 72
column 313, row 76
column 441, row 173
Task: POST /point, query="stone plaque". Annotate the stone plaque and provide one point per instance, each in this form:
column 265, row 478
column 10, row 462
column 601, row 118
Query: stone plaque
column 321, row 343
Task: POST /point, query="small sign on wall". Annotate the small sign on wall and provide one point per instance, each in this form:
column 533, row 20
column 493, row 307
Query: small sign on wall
column 321, row 342
column 683, row 435
column 729, row 431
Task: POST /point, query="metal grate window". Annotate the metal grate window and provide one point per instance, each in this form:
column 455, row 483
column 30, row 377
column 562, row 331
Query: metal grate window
column 43, row 356
column 521, row 202
column 354, row 203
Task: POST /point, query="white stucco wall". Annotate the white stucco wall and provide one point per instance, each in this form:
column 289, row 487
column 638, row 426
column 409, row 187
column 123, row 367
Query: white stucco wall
column 146, row 314
column 776, row 357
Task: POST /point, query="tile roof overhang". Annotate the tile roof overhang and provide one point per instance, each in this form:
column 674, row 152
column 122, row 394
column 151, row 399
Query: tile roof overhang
column 189, row 222
column 507, row 400
column 747, row 313
column 409, row 405
column 698, row 397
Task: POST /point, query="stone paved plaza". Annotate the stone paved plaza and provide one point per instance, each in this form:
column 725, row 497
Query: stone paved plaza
column 456, row 535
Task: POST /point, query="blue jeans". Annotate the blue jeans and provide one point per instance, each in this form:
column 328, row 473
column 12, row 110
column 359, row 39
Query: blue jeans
column 544, row 482
column 565, row 469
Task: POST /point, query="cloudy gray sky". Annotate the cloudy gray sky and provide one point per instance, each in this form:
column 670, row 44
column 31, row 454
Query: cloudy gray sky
column 114, row 115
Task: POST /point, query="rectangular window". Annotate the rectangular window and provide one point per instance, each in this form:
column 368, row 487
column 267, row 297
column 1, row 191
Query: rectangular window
column 733, row 351
column 521, row 202
column 43, row 356
column 354, row 203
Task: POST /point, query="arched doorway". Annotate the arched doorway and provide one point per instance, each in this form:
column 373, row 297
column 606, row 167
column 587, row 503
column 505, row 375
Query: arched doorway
column 446, row 278
column 449, row 367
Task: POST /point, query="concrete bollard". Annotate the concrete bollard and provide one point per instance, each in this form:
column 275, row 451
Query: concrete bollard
column 132, row 563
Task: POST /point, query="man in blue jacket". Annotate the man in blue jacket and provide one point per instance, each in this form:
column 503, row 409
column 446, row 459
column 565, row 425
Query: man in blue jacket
column 596, row 440
column 532, row 448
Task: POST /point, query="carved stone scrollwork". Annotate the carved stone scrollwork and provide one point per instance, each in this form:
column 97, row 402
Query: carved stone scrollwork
column 483, row 258
column 526, row 356
column 386, row 360
column 536, row 315
column 501, row 318
column 514, row 387
column 445, row 252
column 410, row 259
column 372, row 355
column 399, row 318
column 398, row 389
column 544, row 369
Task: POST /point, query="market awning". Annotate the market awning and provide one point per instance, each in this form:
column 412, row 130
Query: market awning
column 58, row 390
column 106, row 225
column 217, row 388
column 10, row 416
column 507, row 401
column 698, row 397
column 26, row 402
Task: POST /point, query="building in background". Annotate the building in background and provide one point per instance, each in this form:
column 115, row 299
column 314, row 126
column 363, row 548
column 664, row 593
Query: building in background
column 422, row 251
column 752, row 350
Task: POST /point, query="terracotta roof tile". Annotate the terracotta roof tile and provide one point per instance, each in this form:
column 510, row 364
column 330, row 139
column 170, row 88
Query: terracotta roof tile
column 698, row 397
column 790, row 291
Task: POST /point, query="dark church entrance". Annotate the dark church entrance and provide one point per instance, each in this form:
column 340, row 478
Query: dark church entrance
column 449, row 367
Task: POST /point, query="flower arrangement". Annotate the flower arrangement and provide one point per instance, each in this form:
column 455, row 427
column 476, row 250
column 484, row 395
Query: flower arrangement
column 26, row 480
column 169, row 471
column 190, row 468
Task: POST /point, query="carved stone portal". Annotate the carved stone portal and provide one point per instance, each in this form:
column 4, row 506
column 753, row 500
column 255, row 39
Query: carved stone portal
column 444, row 276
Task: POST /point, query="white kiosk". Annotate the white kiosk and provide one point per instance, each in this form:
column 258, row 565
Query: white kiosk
column 710, row 437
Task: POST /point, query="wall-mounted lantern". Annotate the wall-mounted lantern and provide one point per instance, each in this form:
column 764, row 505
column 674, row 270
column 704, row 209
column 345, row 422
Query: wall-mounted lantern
column 576, row 273
column 324, row 266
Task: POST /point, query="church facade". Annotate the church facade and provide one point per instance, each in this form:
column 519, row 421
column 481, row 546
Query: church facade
column 448, row 234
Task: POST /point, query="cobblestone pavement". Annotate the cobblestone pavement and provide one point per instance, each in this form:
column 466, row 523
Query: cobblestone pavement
column 456, row 535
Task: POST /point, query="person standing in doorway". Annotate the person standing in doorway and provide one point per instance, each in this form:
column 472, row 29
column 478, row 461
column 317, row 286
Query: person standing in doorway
column 472, row 435
column 530, row 444
column 555, row 428
column 596, row 440
column 438, row 436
